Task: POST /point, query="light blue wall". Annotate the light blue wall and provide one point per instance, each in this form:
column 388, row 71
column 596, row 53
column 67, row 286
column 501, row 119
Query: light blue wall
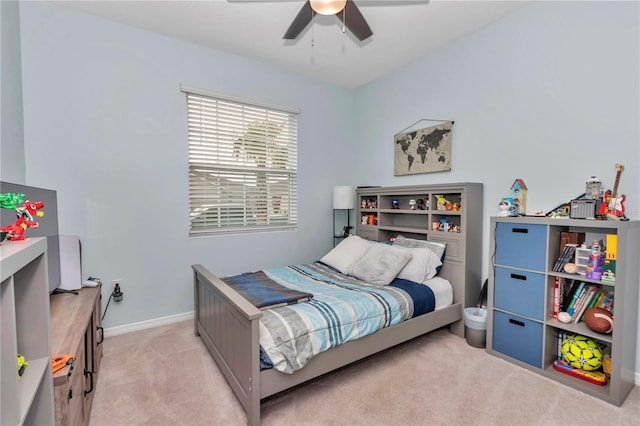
column 105, row 125
column 12, row 163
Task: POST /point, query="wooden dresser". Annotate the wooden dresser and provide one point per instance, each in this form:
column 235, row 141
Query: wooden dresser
column 76, row 329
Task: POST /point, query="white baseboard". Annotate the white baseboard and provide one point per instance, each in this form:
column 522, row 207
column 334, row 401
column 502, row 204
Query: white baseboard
column 143, row 325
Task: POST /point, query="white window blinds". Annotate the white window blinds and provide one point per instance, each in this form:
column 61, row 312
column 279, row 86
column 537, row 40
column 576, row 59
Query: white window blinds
column 242, row 165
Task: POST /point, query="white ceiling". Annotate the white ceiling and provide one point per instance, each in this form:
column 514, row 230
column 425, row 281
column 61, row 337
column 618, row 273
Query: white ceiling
column 402, row 32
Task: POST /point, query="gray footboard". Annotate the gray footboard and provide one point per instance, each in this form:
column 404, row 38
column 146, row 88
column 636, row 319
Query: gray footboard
column 228, row 325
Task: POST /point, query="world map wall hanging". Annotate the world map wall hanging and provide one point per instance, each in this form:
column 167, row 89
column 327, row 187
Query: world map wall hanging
column 423, row 150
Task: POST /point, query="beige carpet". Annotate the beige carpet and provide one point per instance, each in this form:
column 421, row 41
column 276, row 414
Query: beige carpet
column 165, row 376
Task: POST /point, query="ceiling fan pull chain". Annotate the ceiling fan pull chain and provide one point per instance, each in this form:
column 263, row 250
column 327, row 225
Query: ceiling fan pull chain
column 344, row 20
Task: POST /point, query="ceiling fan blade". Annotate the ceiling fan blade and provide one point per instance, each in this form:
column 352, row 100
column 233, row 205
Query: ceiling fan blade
column 354, row 21
column 300, row 22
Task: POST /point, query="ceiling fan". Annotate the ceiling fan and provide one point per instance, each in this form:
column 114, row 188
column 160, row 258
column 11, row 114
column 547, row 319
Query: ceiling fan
column 345, row 10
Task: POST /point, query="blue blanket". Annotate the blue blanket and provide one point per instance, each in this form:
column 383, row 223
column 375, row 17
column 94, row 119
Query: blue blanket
column 263, row 292
column 342, row 309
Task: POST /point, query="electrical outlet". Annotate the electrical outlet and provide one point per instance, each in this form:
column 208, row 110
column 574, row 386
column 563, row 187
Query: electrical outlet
column 117, row 290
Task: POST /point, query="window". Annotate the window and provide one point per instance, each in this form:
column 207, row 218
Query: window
column 242, row 164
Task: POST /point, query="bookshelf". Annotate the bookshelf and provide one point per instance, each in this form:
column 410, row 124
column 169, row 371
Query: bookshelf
column 24, row 314
column 522, row 325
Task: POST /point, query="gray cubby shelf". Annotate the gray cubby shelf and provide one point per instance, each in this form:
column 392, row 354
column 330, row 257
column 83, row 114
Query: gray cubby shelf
column 24, row 314
column 521, row 326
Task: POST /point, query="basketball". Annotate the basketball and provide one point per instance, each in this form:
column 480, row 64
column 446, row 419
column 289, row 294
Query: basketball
column 599, row 320
column 581, row 352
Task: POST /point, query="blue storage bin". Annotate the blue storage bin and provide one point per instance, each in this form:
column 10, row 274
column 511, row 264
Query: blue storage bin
column 518, row 338
column 521, row 245
column 520, row 292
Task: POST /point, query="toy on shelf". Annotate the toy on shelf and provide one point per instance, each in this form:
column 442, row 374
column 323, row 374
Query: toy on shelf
column 595, row 377
column 596, row 261
column 506, row 208
column 11, row 201
column 613, row 206
column 599, row 320
column 519, row 196
column 593, row 188
column 25, row 213
column 581, row 352
column 443, row 204
column 22, row 364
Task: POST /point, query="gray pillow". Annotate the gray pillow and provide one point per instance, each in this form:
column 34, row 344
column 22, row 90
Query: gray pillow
column 380, row 265
column 437, row 248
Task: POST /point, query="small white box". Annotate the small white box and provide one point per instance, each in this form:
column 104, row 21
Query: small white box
column 582, row 259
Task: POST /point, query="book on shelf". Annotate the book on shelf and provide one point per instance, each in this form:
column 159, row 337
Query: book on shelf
column 584, row 303
column 567, row 288
column 561, row 335
column 574, row 297
column 565, row 257
column 611, row 254
column 556, row 297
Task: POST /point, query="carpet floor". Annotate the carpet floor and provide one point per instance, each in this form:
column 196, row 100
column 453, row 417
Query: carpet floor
column 165, row 376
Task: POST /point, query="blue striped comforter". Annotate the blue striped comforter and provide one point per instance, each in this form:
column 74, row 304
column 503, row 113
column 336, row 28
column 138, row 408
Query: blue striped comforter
column 342, row 309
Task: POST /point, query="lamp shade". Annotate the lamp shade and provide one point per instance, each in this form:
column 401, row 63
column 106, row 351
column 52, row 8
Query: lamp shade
column 343, row 197
column 327, row 7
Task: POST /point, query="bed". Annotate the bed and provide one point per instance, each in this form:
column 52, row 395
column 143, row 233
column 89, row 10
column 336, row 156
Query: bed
column 229, row 325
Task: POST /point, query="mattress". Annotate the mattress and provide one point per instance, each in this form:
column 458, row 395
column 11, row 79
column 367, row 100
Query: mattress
column 442, row 290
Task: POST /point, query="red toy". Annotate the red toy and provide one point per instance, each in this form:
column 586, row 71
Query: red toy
column 25, row 213
column 599, row 320
column 596, row 377
column 613, row 206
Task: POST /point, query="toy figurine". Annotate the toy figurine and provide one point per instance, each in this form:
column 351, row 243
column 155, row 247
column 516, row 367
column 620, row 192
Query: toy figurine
column 595, row 262
column 443, row 203
column 412, row 204
column 25, row 220
column 395, row 204
column 506, row 208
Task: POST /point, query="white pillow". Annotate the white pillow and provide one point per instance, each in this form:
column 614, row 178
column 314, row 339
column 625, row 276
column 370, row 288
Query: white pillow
column 380, row 265
column 346, row 253
column 422, row 266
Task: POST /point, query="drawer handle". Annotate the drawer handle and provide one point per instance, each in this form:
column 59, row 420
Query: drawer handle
column 516, row 322
column 90, row 374
column 520, row 230
column 101, row 330
column 519, row 277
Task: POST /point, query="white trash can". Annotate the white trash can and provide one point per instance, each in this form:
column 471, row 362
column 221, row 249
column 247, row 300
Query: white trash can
column 475, row 326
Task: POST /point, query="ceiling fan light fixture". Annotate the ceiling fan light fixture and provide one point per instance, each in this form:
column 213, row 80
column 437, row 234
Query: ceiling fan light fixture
column 327, row 7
